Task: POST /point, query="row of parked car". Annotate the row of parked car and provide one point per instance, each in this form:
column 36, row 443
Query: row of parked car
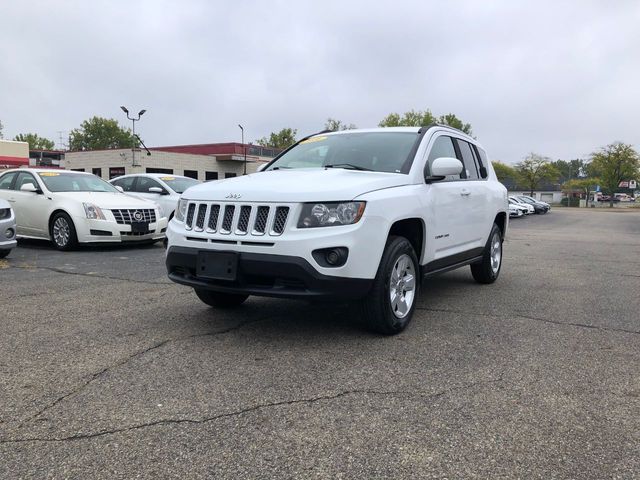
column 70, row 207
column 521, row 205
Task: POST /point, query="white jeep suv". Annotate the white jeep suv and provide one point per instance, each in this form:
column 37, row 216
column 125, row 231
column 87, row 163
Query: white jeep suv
column 358, row 214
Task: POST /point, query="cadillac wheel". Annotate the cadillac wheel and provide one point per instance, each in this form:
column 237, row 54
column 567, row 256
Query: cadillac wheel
column 390, row 303
column 63, row 233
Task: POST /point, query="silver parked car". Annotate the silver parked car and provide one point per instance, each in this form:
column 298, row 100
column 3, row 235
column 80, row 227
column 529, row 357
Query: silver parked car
column 7, row 228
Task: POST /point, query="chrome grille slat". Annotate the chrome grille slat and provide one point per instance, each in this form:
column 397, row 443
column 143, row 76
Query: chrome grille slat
column 202, row 210
column 243, row 220
column 280, row 220
column 212, row 224
column 189, row 220
column 227, row 219
column 125, row 216
column 260, row 224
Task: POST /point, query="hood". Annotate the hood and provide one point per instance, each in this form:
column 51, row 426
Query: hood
column 107, row 200
column 296, row 185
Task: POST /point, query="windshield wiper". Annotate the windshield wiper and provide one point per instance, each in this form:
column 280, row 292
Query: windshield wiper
column 349, row 166
column 278, row 168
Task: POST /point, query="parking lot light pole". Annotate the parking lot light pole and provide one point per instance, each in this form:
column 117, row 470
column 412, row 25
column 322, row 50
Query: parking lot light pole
column 134, row 120
column 244, row 147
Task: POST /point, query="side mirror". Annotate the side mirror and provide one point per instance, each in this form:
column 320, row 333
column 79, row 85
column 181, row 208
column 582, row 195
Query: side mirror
column 29, row 187
column 443, row 166
column 157, row 190
column 119, row 188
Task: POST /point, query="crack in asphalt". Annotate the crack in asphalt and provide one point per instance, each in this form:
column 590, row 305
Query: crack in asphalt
column 92, row 275
column 528, row 317
column 311, row 400
column 127, row 359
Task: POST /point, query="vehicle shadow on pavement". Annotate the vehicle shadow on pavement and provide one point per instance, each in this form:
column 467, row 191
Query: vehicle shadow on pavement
column 34, row 244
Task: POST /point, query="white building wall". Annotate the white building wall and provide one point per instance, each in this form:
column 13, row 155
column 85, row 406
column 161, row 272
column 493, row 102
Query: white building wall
column 177, row 162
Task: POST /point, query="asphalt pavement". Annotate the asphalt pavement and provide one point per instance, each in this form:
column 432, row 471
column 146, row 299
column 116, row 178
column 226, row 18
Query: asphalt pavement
column 108, row 370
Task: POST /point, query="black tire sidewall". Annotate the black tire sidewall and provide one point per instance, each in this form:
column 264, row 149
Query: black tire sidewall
column 379, row 309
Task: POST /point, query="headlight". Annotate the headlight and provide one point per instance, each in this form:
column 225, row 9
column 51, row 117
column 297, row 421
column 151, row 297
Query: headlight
column 181, row 210
column 330, row 214
column 93, row 211
column 5, row 213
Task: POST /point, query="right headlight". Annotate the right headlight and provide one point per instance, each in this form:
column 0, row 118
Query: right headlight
column 5, row 213
column 181, row 210
column 330, row 214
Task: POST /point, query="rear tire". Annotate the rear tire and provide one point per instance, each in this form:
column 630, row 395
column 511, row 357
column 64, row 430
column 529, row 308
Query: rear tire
column 488, row 269
column 389, row 305
column 4, row 253
column 63, row 232
column 220, row 300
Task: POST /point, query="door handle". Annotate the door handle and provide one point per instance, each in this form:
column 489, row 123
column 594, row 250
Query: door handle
column 465, row 193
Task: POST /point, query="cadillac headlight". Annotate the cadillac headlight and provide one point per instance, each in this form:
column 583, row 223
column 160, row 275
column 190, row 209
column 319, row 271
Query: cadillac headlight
column 330, row 214
column 181, row 210
column 93, row 211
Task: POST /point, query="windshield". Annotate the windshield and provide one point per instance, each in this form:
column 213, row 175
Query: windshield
column 75, row 182
column 179, row 184
column 376, row 151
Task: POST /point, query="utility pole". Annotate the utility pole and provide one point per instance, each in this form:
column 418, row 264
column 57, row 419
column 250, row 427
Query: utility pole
column 244, row 147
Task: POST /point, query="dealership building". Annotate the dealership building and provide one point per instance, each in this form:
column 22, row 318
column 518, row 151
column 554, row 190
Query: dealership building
column 211, row 161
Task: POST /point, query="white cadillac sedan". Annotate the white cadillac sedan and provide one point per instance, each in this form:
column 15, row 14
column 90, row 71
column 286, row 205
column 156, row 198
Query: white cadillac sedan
column 69, row 207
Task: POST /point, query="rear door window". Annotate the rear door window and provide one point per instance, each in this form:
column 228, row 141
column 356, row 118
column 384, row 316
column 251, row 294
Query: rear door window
column 126, row 183
column 468, row 160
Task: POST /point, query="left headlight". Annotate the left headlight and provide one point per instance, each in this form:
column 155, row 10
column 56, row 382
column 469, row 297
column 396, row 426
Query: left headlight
column 181, row 210
column 330, row 214
column 5, row 213
column 93, row 211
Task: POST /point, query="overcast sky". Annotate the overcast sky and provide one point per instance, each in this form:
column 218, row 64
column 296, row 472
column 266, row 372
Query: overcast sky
column 557, row 78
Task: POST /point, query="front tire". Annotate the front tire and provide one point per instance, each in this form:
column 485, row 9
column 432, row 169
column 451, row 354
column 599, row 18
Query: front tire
column 389, row 305
column 488, row 269
column 63, row 232
column 221, row 300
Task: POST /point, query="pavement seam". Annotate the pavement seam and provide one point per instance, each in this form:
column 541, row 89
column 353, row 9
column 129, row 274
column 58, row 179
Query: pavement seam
column 123, row 361
column 91, row 275
column 253, row 408
column 527, row 317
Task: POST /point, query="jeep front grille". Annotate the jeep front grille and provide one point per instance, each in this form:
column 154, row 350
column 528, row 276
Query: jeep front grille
column 239, row 219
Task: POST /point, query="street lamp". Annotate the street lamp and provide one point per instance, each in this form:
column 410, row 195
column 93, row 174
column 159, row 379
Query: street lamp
column 134, row 120
column 245, row 150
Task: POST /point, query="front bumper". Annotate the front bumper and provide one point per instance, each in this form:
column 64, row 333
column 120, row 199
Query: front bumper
column 8, row 233
column 266, row 275
column 101, row 231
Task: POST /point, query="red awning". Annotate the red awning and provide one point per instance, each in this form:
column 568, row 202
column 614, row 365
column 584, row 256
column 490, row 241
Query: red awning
column 13, row 161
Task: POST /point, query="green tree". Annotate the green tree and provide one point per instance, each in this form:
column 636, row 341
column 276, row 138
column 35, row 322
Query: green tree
column 35, row 141
column 535, row 169
column 584, row 185
column 614, row 163
column 571, row 169
column 505, row 173
column 337, row 125
column 282, row 139
column 414, row 118
column 99, row 133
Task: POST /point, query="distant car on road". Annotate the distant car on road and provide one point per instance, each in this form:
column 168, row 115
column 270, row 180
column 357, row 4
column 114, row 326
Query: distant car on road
column 538, row 206
column 7, row 228
column 525, row 207
column 163, row 189
column 69, row 207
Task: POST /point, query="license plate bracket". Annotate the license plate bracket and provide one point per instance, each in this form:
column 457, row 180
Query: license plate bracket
column 140, row 227
column 217, row 265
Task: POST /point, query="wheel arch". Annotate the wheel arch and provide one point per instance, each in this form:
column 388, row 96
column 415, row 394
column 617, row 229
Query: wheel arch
column 413, row 229
column 501, row 221
column 52, row 216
